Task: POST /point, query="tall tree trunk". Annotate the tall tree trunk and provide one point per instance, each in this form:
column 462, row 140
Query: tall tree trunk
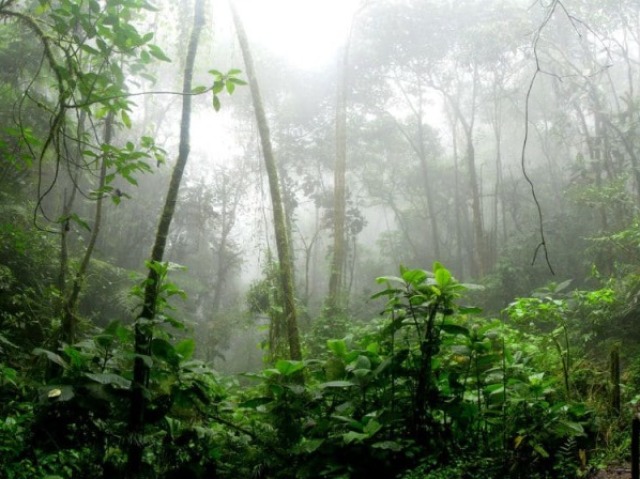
column 279, row 220
column 480, row 252
column 334, row 299
column 429, row 190
column 143, row 331
column 480, row 262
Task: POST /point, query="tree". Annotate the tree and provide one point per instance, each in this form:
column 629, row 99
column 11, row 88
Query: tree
column 335, row 300
column 279, row 220
column 144, row 322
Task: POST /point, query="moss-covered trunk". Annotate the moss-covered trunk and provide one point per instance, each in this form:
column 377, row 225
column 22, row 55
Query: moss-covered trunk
column 279, row 220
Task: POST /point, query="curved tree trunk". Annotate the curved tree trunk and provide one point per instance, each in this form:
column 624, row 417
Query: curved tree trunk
column 279, row 220
column 143, row 332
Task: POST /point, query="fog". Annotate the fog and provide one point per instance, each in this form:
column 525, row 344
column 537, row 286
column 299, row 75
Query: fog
column 496, row 137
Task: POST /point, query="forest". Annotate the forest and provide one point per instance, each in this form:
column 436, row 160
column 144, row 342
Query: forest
column 296, row 239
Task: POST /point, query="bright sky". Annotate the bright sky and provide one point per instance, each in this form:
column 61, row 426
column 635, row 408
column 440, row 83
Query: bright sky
column 306, row 32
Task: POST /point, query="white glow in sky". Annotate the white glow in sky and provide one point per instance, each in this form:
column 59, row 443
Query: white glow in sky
column 306, row 32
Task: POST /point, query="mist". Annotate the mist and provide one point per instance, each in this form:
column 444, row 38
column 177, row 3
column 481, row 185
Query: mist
column 253, row 182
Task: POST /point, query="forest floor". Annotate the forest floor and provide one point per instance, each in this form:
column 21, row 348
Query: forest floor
column 614, row 472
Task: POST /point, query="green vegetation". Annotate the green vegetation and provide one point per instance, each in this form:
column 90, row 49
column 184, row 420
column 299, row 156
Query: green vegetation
column 129, row 293
column 430, row 389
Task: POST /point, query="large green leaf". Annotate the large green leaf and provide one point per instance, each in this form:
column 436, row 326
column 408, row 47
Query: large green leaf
column 288, row 367
column 414, row 277
column 455, row 329
column 443, row 276
column 51, row 356
column 109, row 378
column 337, row 347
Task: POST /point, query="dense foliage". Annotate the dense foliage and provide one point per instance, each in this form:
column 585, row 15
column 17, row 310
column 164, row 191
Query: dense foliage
column 499, row 140
column 430, row 389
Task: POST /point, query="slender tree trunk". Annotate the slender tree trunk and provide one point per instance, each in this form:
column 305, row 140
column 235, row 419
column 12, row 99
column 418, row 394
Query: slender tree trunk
column 279, row 220
column 476, row 205
column 428, row 186
column 498, row 200
column 334, row 299
column 480, row 262
column 69, row 318
column 143, row 331
column 67, row 201
column 458, row 201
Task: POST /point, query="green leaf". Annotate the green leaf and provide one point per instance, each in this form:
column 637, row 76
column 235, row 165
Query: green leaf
column 288, row 367
column 386, row 292
column 125, row 119
column 361, row 362
column 236, row 81
column 372, row 427
column 78, row 360
column 352, row 436
column 53, row 357
column 569, row 428
column 56, row 393
column 455, row 329
column 157, row 52
column 216, row 103
column 89, row 49
column 541, row 450
column 217, row 87
column 186, row 348
column 198, row 90
column 79, row 221
column 337, row 347
column 442, row 275
column 6, row 342
column 414, row 276
column 389, row 279
column 110, row 378
column 230, row 87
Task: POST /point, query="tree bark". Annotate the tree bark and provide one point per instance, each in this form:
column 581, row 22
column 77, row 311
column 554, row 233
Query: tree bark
column 279, row 220
column 143, row 332
column 334, row 299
